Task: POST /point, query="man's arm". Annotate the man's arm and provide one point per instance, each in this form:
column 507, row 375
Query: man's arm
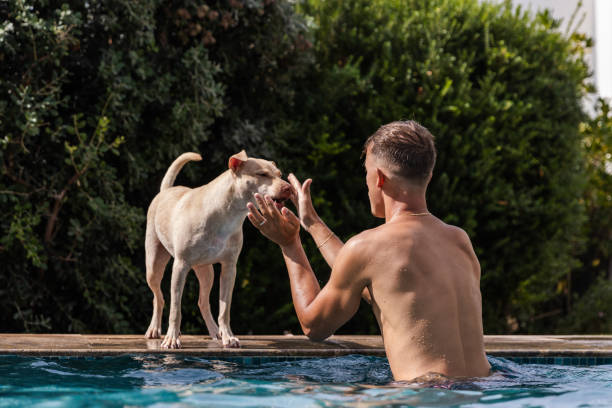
column 322, row 311
column 327, row 242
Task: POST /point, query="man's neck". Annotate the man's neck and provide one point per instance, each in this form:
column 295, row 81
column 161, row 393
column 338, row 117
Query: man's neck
column 409, row 205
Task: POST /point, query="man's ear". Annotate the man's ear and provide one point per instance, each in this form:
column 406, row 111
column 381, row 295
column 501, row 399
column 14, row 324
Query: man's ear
column 429, row 177
column 237, row 160
column 380, row 178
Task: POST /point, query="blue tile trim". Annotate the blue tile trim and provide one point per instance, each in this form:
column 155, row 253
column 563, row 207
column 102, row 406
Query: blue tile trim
column 562, row 360
column 260, row 360
column 557, row 360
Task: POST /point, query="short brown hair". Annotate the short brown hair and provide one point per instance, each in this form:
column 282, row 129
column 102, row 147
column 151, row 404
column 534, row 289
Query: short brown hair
column 407, row 146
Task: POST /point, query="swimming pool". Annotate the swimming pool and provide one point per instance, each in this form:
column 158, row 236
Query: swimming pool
column 354, row 380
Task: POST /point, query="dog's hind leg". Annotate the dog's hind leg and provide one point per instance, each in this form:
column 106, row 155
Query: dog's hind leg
column 180, row 269
column 156, row 259
column 226, row 283
column 206, row 276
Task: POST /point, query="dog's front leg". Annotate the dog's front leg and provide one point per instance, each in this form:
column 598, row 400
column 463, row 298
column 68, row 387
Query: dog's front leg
column 180, row 269
column 226, row 287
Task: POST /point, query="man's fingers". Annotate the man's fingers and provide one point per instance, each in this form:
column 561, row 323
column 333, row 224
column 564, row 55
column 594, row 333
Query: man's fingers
column 287, row 213
column 261, row 203
column 294, row 182
column 253, row 220
column 306, row 187
column 254, row 216
column 252, row 209
column 300, row 190
column 294, row 199
column 271, row 207
column 265, row 205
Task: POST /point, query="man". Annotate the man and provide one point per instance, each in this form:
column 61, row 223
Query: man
column 420, row 275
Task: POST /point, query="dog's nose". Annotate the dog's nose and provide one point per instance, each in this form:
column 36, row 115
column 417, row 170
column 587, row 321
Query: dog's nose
column 286, row 189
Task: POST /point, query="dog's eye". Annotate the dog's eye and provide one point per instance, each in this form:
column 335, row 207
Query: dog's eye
column 263, row 174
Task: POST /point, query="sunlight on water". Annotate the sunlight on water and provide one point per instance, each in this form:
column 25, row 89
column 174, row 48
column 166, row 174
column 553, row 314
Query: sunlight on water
column 353, row 381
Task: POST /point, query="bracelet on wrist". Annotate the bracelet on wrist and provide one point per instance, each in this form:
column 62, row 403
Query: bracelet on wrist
column 325, row 241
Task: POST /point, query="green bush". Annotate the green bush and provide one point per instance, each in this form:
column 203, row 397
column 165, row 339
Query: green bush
column 501, row 90
column 589, row 289
column 68, row 228
column 96, row 100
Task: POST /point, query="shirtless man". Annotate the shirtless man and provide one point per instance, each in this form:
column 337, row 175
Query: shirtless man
column 420, row 275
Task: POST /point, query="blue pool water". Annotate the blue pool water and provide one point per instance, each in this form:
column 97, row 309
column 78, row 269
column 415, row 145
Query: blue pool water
column 353, row 381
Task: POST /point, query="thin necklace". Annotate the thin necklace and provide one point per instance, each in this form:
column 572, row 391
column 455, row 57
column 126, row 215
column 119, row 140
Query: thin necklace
column 416, row 214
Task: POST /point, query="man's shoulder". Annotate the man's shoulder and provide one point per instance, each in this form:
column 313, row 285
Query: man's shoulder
column 459, row 235
column 359, row 242
column 462, row 240
column 362, row 245
column 373, row 237
column 369, row 241
column 456, row 232
column 366, row 237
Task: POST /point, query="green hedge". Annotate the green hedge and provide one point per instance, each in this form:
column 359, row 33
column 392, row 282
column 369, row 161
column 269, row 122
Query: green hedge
column 97, row 99
column 501, row 90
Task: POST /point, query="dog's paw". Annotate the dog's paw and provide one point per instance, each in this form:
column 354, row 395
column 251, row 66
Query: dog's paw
column 171, row 341
column 213, row 331
column 153, row 333
column 227, row 337
column 230, row 342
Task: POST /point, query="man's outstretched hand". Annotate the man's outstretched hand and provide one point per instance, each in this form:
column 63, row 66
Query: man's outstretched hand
column 282, row 227
column 303, row 202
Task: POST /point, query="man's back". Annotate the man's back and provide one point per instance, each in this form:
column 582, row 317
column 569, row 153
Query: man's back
column 425, row 290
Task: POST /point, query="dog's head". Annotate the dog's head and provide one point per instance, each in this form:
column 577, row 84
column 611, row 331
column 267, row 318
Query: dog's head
column 259, row 176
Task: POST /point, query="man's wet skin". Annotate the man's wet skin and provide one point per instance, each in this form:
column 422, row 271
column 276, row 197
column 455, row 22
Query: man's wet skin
column 431, row 380
column 426, row 307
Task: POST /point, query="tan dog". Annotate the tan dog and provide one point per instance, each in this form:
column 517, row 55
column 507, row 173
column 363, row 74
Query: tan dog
column 200, row 227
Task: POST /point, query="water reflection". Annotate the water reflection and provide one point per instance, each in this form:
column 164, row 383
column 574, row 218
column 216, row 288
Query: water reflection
column 354, row 381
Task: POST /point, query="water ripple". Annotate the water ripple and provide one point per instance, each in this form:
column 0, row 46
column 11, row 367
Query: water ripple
column 353, row 381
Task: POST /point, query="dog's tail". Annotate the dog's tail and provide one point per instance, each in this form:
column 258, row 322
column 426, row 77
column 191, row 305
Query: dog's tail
column 175, row 167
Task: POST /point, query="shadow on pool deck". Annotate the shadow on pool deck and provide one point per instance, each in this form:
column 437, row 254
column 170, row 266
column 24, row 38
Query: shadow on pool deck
column 100, row 345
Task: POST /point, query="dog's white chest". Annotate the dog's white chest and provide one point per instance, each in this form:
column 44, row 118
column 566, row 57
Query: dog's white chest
column 210, row 248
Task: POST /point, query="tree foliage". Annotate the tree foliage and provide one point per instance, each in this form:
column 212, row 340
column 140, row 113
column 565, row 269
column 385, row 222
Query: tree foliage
column 97, row 98
column 501, row 90
column 589, row 290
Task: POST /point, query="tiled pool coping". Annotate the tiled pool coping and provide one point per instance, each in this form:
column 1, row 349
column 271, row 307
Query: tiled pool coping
column 568, row 350
column 573, row 361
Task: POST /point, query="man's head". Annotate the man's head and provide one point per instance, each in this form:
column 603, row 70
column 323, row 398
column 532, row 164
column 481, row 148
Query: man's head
column 403, row 151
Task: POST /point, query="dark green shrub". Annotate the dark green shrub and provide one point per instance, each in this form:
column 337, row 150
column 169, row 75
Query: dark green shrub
column 589, row 290
column 96, row 100
column 501, row 90
column 68, row 228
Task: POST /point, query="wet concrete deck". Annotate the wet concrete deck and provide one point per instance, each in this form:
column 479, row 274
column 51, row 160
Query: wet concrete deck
column 268, row 346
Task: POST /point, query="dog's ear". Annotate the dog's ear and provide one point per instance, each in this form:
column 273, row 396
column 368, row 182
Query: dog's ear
column 237, row 160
